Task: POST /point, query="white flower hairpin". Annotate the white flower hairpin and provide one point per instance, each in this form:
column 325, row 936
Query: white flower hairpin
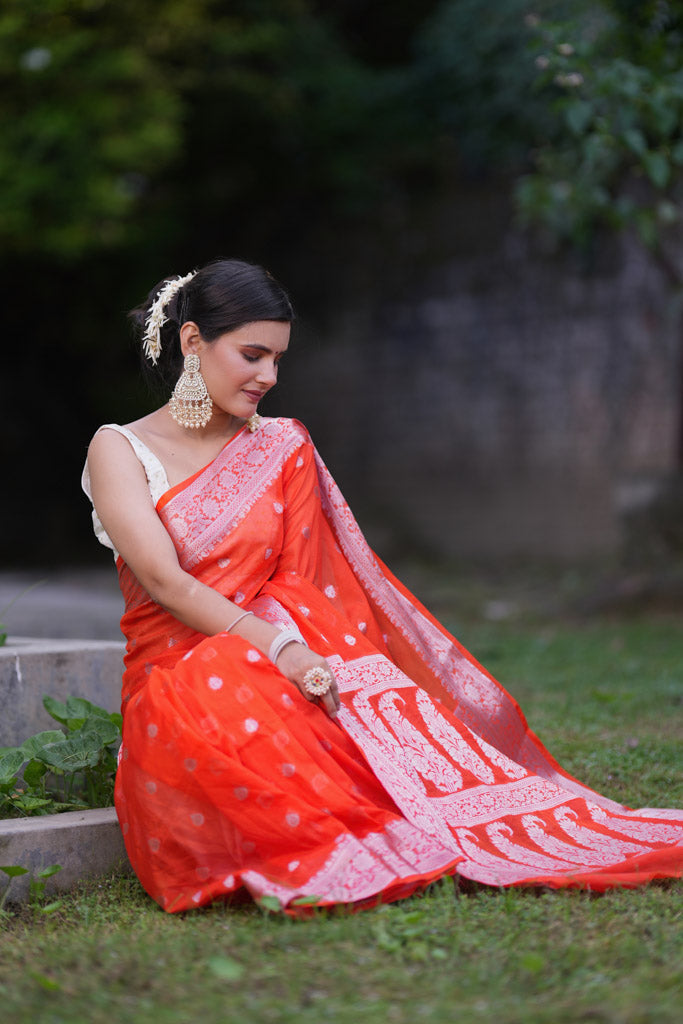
column 156, row 318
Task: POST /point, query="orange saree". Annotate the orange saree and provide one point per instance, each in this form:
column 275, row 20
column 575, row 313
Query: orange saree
column 231, row 782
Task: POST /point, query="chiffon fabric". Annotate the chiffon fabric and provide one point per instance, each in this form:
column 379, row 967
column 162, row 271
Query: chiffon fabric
column 231, row 782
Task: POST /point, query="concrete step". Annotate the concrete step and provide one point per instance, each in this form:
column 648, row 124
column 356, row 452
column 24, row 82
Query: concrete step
column 30, row 668
column 87, row 844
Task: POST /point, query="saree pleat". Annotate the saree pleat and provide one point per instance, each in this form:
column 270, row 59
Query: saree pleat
column 231, row 783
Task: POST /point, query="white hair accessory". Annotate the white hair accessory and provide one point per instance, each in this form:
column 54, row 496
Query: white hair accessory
column 156, row 318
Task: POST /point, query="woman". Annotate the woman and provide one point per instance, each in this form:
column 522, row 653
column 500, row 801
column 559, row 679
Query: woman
column 296, row 725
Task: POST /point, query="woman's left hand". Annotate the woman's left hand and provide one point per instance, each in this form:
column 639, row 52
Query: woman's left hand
column 295, row 661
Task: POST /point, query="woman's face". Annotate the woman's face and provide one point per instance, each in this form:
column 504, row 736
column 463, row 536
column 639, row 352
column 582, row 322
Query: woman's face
column 241, row 366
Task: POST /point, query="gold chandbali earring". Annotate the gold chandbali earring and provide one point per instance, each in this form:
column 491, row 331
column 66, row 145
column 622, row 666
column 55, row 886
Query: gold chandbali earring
column 190, row 404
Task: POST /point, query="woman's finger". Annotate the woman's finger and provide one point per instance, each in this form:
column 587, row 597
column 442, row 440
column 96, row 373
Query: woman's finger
column 331, row 699
column 329, row 703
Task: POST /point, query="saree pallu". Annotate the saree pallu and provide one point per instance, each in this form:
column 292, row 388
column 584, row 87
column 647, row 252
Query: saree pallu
column 231, row 783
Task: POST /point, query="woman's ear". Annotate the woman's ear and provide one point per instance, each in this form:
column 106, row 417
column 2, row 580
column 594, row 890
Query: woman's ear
column 191, row 340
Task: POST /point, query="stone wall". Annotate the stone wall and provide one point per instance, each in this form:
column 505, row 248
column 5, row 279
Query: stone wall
column 493, row 401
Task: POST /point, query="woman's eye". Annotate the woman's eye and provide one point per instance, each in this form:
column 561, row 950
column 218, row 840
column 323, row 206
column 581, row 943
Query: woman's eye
column 250, row 359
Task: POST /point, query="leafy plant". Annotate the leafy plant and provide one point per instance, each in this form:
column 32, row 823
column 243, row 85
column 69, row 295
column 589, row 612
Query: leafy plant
column 37, row 885
column 613, row 155
column 612, row 160
column 59, row 770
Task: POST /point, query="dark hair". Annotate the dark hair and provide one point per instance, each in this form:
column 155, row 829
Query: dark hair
column 222, row 296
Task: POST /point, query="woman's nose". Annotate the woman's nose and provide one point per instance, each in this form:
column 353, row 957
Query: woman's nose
column 267, row 373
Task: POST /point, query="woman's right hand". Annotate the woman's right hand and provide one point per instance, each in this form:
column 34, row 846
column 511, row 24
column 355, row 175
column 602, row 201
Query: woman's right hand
column 294, row 661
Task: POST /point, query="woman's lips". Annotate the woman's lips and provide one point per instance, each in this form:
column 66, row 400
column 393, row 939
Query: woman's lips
column 254, row 396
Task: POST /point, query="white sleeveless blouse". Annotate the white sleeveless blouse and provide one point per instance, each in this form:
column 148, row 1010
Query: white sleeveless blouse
column 154, row 471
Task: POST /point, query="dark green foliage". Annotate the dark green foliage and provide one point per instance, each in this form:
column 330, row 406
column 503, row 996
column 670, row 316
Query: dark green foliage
column 475, row 81
column 87, row 117
column 614, row 156
column 126, row 118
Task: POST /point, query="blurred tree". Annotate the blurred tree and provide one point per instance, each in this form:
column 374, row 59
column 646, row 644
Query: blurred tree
column 110, row 111
column 613, row 158
column 142, row 138
column 88, row 115
column 474, row 80
column 128, row 122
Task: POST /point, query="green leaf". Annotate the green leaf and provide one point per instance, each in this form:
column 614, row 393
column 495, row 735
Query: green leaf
column 225, row 968
column 33, row 744
column 56, row 709
column 32, row 804
column 10, row 763
column 34, row 772
column 271, row 903
column 48, row 872
column 657, row 168
column 79, row 707
column 306, row 901
column 664, row 112
column 13, row 870
column 103, row 729
column 74, row 754
column 635, row 140
column 49, row 984
column 534, row 963
column 677, row 153
column 77, row 711
column 57, row 806
column 50, row 908
column 72, row 714
column 579, row 115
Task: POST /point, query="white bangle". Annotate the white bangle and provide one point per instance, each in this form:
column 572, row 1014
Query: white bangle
column 235, row 621
column 286, row 636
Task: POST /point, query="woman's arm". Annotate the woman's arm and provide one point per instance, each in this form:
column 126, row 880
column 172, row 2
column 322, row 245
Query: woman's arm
column 124, row 505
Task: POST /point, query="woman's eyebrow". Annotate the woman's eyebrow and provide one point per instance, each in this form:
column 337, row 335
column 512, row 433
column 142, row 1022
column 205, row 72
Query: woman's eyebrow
column 263, row 348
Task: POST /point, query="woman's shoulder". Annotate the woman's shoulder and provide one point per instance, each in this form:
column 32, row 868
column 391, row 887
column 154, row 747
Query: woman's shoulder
column 116, row 450
column 139, row 435
column 106, row 430
column 114, row 444
column 109, row 437
column 114, row 441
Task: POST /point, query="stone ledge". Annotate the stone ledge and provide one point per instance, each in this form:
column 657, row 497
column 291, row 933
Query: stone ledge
column 30, row 668
column 86, row 844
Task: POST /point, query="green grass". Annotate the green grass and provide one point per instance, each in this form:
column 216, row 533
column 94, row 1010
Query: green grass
column 504, row 956
column 606, row 697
